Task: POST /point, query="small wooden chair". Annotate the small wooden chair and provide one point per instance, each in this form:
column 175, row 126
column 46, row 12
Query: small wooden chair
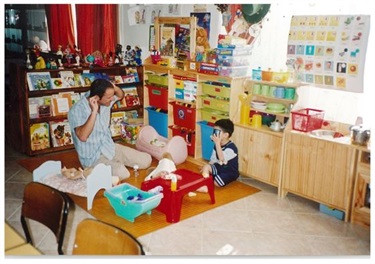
column 94, row 237
column 47, row 206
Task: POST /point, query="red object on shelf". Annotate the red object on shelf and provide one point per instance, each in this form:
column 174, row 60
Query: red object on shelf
column 183, row 115
column 307, row 119
column 158, row 97
column 171, row 203
column 188, row 135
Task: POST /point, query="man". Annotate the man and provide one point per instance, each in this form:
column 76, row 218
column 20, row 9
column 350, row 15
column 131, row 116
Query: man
column 89, row 121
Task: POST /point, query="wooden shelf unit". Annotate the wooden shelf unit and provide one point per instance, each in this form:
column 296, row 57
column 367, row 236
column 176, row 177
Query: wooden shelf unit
column 18, row 119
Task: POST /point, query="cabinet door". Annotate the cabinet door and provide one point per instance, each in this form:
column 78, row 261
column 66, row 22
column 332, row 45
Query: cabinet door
column 318, row 169
column 259, row 154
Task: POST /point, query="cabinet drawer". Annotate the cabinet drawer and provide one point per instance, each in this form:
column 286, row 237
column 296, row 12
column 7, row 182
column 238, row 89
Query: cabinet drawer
column 216, row 104
column 216, row 90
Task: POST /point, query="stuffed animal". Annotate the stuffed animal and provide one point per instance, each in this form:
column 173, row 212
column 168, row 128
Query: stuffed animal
column 74, row 174
column 202, row 38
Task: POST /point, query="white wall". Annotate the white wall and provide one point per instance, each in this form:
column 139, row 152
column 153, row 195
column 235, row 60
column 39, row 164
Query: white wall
column 270, row 51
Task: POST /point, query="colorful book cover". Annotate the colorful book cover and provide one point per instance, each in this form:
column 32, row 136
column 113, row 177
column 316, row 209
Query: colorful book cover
column 61, row 103
column 77, row 80
column 117, row 118
column 39, row 135
column 167, row 44
column 39, row 81
column 67, row 78
column 118, row 79
column 131, row 96
column 34, row 103
column 87, row 78
column 57, row 83
column 61, row 135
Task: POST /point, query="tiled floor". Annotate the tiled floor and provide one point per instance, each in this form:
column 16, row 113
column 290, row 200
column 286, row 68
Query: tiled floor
column 260, row 225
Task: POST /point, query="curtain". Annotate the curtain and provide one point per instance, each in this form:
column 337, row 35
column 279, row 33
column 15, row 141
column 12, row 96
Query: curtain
column 96, row 27
column 60, row 25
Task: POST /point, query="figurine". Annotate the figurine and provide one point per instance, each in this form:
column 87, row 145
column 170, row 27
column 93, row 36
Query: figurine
column 138, row 56
column 40, row 62
column 129, row 55
column 110, row 60
column 28, row 61
column 68, row 54
column 118, row 54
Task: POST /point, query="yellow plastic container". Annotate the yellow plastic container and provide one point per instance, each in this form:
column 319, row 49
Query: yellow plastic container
column 280, row 77
column 212, row 116
column 216, row 90
column 216, row 104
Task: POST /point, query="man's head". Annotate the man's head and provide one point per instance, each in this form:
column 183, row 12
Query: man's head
column 104, row 91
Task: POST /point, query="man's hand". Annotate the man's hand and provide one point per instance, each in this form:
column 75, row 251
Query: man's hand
column 93, row 101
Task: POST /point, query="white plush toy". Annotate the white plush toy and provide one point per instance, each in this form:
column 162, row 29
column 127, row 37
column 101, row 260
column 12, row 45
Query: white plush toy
column 165, row 166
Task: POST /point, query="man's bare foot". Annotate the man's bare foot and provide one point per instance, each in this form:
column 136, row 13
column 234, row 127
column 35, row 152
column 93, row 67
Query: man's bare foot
column 202, row 189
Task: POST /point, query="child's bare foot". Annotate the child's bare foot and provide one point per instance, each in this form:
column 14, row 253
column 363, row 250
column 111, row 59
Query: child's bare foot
column 202, row 189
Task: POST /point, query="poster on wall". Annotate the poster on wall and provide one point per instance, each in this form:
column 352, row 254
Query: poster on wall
column 329, row 51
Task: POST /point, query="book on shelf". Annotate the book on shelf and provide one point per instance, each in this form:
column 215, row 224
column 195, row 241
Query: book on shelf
column 87, row 78
column 77, row 80
column 61, row 103
column 67, row 78
column 39, row 81
column 167, row 39
column 131, row 96
column 61, row 135
column 39, row 136
column 118, row 79
column 40, row 106
column 119, row 104
column 75, row 97
column 116, row 120
column 57, row 83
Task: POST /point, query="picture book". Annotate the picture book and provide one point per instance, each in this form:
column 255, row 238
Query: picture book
column 131, row 96
column 57, row 83
column 183, row 43
column 61, row 103
column 61, row 135
column 67, row 78
column 77, row 80
column 44, row 108
column 75, row 97
column 118, row 79
column 39, row 136
column 87, row 78
column 119, row 104
column 33, row 106
column 39, row 81
column 117, row 118
column 167, row 42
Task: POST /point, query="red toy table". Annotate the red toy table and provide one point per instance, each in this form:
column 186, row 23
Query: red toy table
column 170, row 205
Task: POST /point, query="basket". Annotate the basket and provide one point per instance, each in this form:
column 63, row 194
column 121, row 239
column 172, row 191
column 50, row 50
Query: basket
column 130, row 202
column 307, row 119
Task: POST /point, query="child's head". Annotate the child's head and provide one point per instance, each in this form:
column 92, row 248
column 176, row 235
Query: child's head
column 226, row 125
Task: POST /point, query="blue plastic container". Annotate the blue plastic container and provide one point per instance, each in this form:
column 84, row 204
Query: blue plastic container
column 130, row 202
column 158, row 120
column 207, row 143
column 332, row 212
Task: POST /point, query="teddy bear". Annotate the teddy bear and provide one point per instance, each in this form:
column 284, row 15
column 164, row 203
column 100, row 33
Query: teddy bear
column 74, row 174
column 202, row 38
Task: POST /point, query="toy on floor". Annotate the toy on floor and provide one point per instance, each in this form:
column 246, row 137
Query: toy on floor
column 151, row 142
column 73, row 173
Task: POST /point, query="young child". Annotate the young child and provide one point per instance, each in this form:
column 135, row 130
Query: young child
column 223, row 165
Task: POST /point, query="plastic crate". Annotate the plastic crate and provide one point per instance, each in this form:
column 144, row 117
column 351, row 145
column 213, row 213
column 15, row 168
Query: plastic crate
column 212, row 116
column 130, row 202
column 183, row 115
column 332, row 211
column 216, row 89
column 188, row 135
column 207, row 143
column 157, row 79
column 307, row 119
column 232, row 61
column 214, row 103
column 237, row 71
column 158, row 120
column 237, row 51
column 158, row 97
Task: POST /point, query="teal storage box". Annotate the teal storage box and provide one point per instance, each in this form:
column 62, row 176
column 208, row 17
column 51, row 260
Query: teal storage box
column 130, row 202
column 158, row 120
column 207, row 143
column 332, row 212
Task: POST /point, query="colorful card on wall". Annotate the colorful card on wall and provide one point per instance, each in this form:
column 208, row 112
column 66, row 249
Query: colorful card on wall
column 329, row 51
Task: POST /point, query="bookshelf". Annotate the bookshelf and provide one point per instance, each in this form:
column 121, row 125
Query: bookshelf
column 21, row 115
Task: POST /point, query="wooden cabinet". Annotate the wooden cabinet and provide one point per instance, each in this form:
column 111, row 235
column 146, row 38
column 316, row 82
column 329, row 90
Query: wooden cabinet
column 21, row 121
column 319, row 170
column 360, row 213
column 259, row 153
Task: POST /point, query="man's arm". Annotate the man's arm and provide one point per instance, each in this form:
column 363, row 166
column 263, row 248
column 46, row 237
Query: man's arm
column 83, row 132
column 118, row 92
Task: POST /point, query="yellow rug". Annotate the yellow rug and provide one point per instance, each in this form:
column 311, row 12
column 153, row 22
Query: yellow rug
column 145, row 223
